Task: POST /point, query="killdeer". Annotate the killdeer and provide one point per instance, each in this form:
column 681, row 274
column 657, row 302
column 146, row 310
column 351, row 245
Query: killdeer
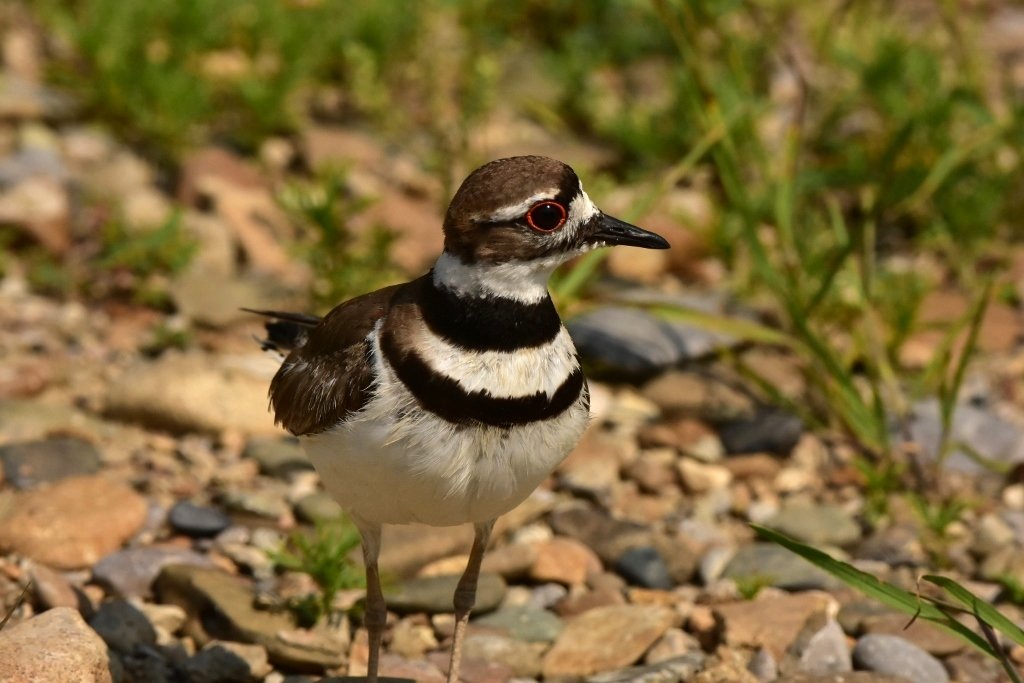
column 446, row 400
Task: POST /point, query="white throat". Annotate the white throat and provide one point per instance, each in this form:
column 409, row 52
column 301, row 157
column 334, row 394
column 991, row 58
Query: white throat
column 522, row 281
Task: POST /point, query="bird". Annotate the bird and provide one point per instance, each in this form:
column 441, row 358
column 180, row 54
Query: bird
column 448, row 399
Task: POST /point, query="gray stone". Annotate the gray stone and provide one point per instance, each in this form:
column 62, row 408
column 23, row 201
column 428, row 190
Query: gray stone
column 816, row 524
column 525, row 623
column 607, row 536
column 74, row 653
column 776, row 566
column 147, row 663
column 52, row 588
column 524, row 659
column 892, row 655
column 636, row 344
column 895, row 545
column 226, row 662
column 763, row 665
column 769, row 430
column 266, row 503
column 122, row 626
column 316, row 507
column 130, row 573
column 221, row 607
column 990, row 436
column 193, row 392
column 827, row 651
column 606, row 638
column 682, row 668
column 644, row 566
column 278, row 457
column 31, row 463
column 196, row 520
column 434, row 594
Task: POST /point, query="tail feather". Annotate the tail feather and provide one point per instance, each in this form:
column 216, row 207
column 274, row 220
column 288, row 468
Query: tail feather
column 285, row 331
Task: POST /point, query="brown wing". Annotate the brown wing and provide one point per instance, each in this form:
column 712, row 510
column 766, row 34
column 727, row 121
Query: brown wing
column 329, row 376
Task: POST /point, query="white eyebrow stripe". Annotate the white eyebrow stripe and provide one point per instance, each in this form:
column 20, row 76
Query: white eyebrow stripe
column 507, row 213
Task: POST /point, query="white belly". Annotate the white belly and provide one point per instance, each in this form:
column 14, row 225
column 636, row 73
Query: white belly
column 434, row 472
column 394, row 463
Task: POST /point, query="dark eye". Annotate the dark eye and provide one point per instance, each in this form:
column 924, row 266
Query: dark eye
column 546, row 216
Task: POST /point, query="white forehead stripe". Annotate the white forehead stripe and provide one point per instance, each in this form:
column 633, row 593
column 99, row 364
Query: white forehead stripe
column 581, row 210
column 507, row 213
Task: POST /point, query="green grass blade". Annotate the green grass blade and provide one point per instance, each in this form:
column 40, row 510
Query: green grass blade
column 978, row 607
column 889, row 595
column 742, row 330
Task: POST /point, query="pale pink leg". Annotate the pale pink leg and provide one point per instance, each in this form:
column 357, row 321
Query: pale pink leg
column 465, row 595
column 376, row 610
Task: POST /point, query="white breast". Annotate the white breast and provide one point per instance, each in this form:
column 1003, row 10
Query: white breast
column 393, row 462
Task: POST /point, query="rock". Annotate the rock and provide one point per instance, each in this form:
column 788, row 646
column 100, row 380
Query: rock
column 434, row 594
column 226, row 662
column 526, row 623
column 899, row 544
column 412, row 637
column 770, row 622
column 892, row 655
column 41, row 208
column 644, row 566
column 827, row 651
column 564, row 560
column 775, row 566
column 28, row 464
column 52, row 589
column 22, row 419
column 675, row 643
column 992, row 438
column 169, row 618
column 22, row 99
column 408, row 547
column 583, row 648
column 74, row 653
column 317, row 507
column 592, row 468
column 631, row 343
column 196, row 520
column 816, row 524
column 681, row 668
column 921, row 633
column 129, row 573
column 53, row 526
column 220, row 607
column 849, row 677
column 511, row 561
column 194, row 392
column 268, row 503
column 122, row 626
column 203, row 293
column 596, row 529
column 769, row 430
column 763, row 665
column 522, row 658
column 278, row 457
column 699, row 477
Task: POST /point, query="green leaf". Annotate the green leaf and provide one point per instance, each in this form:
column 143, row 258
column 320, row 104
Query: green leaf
column 910, row 604
column 978, row 607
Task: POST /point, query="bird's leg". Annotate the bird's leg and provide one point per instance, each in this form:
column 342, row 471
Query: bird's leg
column 376, row 611
column 465, row 595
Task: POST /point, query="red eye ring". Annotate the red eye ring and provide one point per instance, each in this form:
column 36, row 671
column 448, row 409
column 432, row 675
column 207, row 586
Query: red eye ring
column 541, row 218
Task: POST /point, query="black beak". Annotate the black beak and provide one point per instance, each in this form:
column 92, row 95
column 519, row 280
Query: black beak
column 612, row 231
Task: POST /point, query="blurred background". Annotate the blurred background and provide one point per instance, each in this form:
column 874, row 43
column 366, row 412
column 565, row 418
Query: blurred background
column 831, row 347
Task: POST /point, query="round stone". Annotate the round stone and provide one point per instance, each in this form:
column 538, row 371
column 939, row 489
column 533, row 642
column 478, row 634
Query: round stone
column 197, row 521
